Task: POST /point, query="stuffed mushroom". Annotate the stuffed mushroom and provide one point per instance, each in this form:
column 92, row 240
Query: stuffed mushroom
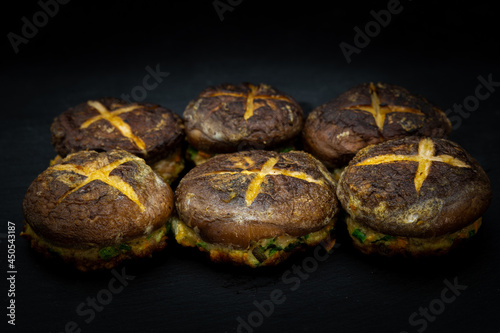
column 256, row 207
column 367, row 114
column 230, row 118
column 413, row 197
column 94, row 210
column 149, row 131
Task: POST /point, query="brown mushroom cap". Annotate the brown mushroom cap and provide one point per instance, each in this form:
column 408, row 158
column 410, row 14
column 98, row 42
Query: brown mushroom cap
column 229, row 118
column 378, row 188
column 234, row 199
column 146, row 130
column 336, row 130
column 97, row 199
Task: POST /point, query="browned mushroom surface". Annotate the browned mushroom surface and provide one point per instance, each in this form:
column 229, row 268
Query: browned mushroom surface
column 229, row 118
column 95, row 209
column 149, row 131
column 367, row 114
column 420, row 189
column 234, row 201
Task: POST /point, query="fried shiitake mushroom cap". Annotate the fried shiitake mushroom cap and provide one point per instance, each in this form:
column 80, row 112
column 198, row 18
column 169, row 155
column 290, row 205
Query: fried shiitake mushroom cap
column 149, row 131
column 414, row 187
column 367, row 114
column 91, row 201
column 229, row 118
column 236, row 200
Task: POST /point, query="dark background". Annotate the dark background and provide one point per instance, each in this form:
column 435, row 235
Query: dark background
column 91, row 49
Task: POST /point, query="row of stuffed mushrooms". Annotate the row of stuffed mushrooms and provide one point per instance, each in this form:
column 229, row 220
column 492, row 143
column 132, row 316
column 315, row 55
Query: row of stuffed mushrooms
column 254, row 182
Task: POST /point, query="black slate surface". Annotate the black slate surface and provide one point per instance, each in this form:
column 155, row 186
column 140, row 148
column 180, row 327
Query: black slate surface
column 89, row 49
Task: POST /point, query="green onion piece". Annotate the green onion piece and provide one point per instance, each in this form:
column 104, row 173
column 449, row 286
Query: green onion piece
column 192, row 151
column 286, row 149
column 359, row 235
column 125, row 247
column 108, row 253
column 202, row 245
column 291, row 246
column 273, row 248
column 273, row 251
column 168, row 227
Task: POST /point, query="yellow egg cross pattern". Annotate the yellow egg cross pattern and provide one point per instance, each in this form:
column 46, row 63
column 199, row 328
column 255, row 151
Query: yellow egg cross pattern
column 251, row 98
column 425, row 157
column 114, row 119
column 379, row 111
column 267, row 169
column 92, row 173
